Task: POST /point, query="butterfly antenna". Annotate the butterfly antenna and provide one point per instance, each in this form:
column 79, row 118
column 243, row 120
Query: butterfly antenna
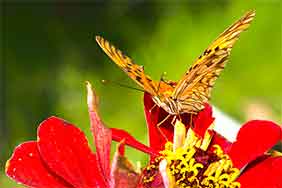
column 161, row 80
column 121, row 85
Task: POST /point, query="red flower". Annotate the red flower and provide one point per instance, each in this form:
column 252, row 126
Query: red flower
column 61, row 157
column 248, row 153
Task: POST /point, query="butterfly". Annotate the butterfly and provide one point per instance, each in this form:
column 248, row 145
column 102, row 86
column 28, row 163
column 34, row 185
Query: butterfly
column 194, row 89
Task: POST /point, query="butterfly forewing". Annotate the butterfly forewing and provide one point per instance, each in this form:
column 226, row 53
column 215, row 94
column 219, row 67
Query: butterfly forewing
column 194, row 89
column 133, row 70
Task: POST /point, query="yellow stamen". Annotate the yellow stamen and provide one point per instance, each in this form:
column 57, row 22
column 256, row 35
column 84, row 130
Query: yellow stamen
column 179, row 135
column 206, row 141
column 191, row 139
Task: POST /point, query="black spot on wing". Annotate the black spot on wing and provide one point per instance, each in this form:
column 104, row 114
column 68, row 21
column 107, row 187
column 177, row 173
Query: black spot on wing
column 195, row 66
column 151, row 84
column 128, row 70
column 207, row 52
column 149, row 79
column 138, row 79
column 138, row 71
column 191, row 68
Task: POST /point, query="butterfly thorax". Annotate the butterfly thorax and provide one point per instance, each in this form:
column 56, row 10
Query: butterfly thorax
column 164, row 97
column 168, row 102
column 165, row 89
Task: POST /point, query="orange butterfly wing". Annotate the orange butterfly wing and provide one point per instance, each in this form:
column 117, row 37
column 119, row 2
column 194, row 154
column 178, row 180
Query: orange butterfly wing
column 133, row 70
column 194, row 89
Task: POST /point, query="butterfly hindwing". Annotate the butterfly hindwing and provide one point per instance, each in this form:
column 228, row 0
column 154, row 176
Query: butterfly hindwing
column 194, row 89
column 133, row 70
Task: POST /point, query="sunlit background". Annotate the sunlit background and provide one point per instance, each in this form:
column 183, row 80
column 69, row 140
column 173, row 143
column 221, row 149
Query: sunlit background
column 49, row 52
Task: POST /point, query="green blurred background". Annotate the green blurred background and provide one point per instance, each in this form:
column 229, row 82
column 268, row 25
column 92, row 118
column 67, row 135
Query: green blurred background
column 48, row 52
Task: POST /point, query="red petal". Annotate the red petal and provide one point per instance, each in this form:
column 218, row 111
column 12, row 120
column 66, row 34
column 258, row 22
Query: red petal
column 123, row 172
column 26, row 167
column 65, row 150
column 203, row 120
column 102, row 135
column 217, row 139
column 265, row 173
column 121, row 135
column 253, row 139
column 121, row 149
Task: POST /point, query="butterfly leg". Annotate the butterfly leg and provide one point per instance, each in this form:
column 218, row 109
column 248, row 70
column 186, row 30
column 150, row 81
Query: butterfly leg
column 162, row 133
column 174, row 120
column 191, row 119
column 152, row 108
column 160, row 123
column 179, row 117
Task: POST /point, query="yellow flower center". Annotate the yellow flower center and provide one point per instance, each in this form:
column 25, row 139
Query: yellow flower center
column 196, row 168
column 192, row 162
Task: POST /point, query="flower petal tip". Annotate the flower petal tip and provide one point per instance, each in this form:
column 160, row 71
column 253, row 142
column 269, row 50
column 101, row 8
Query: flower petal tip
column 92, row 99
